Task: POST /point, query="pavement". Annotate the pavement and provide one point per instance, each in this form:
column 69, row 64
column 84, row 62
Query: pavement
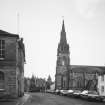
column 103, row 100
column 17, row 101
column 24, row 99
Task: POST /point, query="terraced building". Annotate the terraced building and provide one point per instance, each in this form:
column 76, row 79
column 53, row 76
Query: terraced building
column 12, row 59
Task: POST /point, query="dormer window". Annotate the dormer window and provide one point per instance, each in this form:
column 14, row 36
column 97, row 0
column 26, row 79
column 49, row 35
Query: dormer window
column 2, row 49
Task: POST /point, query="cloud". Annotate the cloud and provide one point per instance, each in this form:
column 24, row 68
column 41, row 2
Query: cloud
column 89, row 8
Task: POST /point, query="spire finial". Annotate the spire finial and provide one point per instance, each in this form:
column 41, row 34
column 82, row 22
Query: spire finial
column 63, row 33
column 18, row 24
column 63, row 17
column 63, row 25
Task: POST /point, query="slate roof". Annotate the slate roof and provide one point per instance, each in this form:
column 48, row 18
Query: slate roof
column 5, row 33
column 88, row 69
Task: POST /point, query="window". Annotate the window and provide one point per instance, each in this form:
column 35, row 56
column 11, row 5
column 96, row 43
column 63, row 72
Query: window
column 102, row 89
column 1, row 75
column 2, row 49
column 1, row 81
column 64, row 83
column 63, row 63
column 102, row 78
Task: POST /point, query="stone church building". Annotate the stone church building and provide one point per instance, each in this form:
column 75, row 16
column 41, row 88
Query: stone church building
column 12, row 59
column 73, row 76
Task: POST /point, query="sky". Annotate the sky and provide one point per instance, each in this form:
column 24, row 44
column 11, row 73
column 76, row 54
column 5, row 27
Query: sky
column 39, row 22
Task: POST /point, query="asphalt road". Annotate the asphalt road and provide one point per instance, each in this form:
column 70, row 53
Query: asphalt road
column 50, row 99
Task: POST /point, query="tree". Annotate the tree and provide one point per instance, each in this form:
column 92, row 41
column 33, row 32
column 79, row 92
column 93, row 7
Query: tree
column 26, row 84
column 32, row 83
column 49, row 82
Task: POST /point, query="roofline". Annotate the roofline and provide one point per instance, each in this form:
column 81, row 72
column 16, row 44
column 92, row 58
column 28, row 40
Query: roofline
column 5, row 34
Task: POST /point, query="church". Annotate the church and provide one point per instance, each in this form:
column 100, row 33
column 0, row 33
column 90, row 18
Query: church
column 69, row 76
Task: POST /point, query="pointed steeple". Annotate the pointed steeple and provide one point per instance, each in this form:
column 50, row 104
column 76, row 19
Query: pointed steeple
column 63, row 26
column 63, row 46
column 63, row 34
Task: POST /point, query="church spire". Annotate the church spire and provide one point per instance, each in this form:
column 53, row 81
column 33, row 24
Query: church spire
column 63, row 46
column 63, row 34
column 63, row 26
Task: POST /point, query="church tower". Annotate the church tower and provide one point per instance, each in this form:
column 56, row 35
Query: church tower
column 63, row 60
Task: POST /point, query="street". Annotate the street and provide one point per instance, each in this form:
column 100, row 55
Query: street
column 50, row 99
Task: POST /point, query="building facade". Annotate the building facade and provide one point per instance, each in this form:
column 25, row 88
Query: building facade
column 62, row 72
column 12, row 59
column 84, row 77
column 73, row 76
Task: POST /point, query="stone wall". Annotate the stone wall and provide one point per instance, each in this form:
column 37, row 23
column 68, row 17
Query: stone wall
column 83, row 80
column 13, row 65
column 9, row 81
column 10, row 48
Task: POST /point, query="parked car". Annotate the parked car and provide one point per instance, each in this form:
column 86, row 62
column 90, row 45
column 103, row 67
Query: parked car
column 60, row 92
column 57, row 91
column 94, row 96
column 83, row 94
column 50, row 91
column 34, row 89
column 70, row 93
column 76, row 93
column 64, row 92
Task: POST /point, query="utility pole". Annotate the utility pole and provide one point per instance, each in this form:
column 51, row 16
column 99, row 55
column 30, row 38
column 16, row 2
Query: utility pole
column 18, row 24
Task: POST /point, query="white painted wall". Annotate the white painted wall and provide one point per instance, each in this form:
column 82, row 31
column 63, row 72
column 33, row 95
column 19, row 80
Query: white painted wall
column 52, row 87
column 101, row 84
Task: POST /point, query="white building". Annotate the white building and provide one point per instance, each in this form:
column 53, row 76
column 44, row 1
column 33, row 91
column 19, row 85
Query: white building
column 52, row 87
column 101, row 84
